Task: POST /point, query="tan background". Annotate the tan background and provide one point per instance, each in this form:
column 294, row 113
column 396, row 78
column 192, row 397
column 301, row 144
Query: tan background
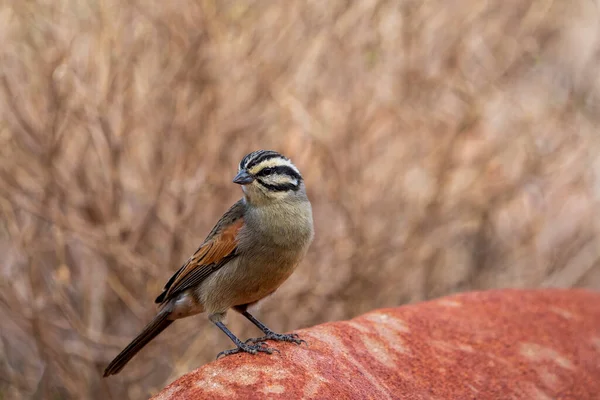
column 447, row 146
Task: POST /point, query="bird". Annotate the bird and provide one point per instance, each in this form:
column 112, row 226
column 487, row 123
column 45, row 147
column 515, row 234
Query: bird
column 255, row 247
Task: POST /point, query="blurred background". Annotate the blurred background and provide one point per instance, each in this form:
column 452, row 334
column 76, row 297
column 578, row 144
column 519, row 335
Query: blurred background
column 447, row 146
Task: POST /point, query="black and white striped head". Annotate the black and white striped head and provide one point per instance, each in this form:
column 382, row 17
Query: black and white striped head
column 268, row 173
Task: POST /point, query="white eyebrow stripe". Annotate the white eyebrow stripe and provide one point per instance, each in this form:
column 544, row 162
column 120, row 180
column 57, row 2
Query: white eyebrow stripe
column 273, row 162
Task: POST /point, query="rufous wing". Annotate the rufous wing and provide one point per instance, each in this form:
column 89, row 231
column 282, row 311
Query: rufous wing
column 210, row 256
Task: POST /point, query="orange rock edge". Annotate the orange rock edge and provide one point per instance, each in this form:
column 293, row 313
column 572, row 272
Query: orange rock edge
column 538, row 344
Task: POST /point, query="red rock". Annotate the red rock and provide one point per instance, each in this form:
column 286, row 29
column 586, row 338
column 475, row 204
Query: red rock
column 505, row 344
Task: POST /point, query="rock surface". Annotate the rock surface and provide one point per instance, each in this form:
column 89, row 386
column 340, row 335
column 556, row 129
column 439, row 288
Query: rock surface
column 505, row 344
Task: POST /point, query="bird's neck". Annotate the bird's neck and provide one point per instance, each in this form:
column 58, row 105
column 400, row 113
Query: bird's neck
column 274, row 221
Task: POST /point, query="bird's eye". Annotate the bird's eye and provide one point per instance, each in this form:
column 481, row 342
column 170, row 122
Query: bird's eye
column 267, row 171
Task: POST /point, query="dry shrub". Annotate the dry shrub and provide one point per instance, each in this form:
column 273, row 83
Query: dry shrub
column 446, row 147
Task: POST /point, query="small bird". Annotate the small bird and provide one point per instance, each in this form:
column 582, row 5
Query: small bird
column 251, row 251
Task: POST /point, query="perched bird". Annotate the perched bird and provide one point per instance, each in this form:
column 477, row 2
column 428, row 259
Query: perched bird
column 251, row 251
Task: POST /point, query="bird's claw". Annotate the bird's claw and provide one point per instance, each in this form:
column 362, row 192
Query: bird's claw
column 279, row 337
column 256, row 347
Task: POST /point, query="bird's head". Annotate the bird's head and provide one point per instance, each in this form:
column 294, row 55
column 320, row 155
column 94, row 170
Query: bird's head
column 267, row 176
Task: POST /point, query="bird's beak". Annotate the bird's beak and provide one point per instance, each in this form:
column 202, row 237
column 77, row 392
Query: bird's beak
column 243, row 178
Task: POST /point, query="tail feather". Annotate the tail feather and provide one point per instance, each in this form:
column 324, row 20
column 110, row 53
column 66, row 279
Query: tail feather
column 158, row 324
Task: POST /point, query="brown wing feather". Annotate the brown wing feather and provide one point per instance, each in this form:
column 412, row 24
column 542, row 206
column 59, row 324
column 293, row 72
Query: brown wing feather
column 218, row 248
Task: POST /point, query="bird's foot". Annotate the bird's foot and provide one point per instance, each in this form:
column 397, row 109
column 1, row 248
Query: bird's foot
column 256, row 347
column 279, row 337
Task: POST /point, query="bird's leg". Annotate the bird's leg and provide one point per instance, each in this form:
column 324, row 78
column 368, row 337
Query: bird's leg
column 256, row 347
column 269, row 334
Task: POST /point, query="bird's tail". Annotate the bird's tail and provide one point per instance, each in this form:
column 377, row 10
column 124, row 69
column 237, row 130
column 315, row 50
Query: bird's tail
column 156, row 326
